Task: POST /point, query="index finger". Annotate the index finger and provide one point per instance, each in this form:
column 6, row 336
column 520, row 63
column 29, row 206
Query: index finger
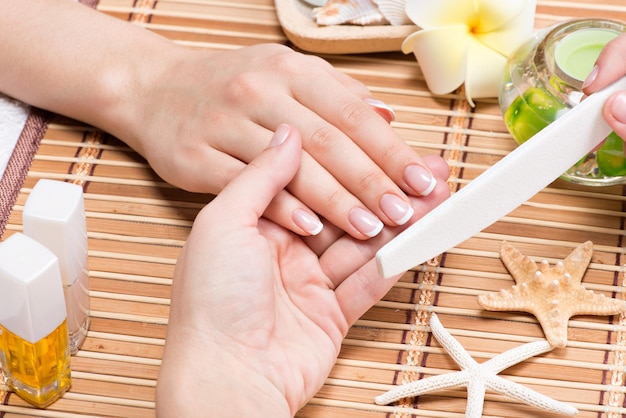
column 609, row 67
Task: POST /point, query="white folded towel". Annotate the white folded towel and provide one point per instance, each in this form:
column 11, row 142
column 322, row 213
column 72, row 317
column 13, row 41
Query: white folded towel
column 13, row 116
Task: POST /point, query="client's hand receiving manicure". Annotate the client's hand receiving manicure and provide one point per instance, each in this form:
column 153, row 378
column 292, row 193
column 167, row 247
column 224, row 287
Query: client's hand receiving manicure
column 200, row 116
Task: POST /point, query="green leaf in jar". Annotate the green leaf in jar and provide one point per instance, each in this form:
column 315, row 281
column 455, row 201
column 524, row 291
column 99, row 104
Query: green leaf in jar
column 610, row 156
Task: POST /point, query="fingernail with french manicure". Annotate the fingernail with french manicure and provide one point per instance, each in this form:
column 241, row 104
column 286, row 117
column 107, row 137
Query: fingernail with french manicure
column 307, row 221
column 365, row 222
column 591, row 77
column 420, row 179
column 280, row 135
column 396, row 209
column 382, row 108
column 618, row 107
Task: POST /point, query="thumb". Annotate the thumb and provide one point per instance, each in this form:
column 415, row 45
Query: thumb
column 252, row 190
column 615, row 113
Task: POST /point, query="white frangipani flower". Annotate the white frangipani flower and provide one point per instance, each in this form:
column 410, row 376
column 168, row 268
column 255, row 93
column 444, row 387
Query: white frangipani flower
column 467, row 41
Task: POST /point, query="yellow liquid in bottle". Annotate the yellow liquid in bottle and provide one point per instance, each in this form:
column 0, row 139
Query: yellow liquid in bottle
column 40, row 372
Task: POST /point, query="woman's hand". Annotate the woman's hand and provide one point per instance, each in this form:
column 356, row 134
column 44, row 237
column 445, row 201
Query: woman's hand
column 610, row 66
column 210, row 113
column 200, row 116
column 257, row 317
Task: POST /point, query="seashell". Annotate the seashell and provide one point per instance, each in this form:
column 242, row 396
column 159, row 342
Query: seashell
column 316, row 3
column 394, row 11
column 355, row 12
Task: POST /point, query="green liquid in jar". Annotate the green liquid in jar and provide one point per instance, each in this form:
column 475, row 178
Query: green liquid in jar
column 535, row 109
column 577, row 53
column 530, row 113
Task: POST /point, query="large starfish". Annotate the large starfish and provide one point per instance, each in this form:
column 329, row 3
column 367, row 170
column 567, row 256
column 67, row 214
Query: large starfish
column 479, row 377
column 552, row 294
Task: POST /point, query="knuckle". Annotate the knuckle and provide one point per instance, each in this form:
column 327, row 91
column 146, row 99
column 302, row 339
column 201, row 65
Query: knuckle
column 335, row 200
column 244, row 87
column 354, row 113
column 369, row 181
column 286, row 62
column 290, row 65
column 389, row 155
column 322, row 140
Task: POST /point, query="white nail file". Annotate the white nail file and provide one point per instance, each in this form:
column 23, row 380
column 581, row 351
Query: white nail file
column 503, row 187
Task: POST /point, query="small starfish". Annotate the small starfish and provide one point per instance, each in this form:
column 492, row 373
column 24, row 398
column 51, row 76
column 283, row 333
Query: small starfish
column 552, row 295
column 479, row 377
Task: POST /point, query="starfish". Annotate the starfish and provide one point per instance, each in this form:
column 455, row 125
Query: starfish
column 552, row 294
column 479, row 377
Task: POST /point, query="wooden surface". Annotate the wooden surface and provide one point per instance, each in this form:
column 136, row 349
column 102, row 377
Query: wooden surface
column 295, row 19
column 137, row 225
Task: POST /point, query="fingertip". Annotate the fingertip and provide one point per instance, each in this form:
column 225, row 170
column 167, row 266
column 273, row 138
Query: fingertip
column 609, row 66
column 283, row 159
column 382, row 108
column 615, row 109
column 287, row 135
column 307, row 221
column 365, row 222
column 280, row 135
column 420, row 179
column 438, row 166
column 615, row 112
column 591, row 78
column 286, row 140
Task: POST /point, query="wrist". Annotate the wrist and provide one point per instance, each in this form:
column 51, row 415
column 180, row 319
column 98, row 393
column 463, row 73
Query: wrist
column 197, row 374
column 124, row 85
column 78, row 62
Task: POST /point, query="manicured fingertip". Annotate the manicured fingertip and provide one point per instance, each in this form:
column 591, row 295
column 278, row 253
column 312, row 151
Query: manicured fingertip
column 280, row 135
column 307, row 221
column 593, row 75
column 420, row 179
column 396, row 209
column 382, row 108
column 365, row 222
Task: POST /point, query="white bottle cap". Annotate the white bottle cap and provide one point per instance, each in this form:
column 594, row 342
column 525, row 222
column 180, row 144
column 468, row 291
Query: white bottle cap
column 54, row 215
column 31, row 291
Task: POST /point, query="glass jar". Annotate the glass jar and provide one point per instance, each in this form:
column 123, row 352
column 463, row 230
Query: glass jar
column 543, row 80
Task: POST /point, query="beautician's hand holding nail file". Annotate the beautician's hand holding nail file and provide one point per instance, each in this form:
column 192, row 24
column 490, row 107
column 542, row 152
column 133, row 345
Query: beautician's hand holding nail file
column 502, row 188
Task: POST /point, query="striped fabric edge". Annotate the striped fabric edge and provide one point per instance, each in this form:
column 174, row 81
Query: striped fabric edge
column 20, row 161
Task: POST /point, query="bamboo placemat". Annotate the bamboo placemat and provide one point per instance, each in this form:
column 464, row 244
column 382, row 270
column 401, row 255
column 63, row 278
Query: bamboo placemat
column 137, row 225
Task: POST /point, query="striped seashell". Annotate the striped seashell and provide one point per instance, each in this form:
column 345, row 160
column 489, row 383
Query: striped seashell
column 316, row 3
column 393, row 11
column 355, row 12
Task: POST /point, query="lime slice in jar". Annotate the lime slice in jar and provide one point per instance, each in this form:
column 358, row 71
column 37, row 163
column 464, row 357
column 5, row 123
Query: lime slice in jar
column 610, row 156
column 530, row 113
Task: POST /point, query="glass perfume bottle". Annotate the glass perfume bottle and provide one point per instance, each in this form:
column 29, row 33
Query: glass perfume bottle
column 54, row 215
column 34, row 343
column 544, row 79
